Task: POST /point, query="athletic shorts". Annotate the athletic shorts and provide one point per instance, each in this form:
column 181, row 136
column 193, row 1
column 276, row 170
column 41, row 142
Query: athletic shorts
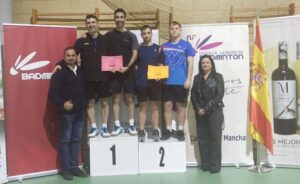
column 174, row 93
column 145, row 93
column 100, row 89
column 125, row 83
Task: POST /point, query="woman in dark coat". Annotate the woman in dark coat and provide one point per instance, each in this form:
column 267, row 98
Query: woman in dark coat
column 206, row 95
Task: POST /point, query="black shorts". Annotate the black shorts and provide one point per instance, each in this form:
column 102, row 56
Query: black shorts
column 145, row 93
column 123, row 82
column 174, row 93
column 100, row 89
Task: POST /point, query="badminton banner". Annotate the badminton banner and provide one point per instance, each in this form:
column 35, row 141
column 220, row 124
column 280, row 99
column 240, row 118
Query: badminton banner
column 228, row 44
column 30, row 54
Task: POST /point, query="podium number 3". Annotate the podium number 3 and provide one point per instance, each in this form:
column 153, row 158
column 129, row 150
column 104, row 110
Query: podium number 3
column 162, row 152
column 113, row 152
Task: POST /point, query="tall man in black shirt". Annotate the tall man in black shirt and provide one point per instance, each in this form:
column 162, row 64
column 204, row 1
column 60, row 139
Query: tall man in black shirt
column 91, row 48
column 121, row 41
column 96, row 82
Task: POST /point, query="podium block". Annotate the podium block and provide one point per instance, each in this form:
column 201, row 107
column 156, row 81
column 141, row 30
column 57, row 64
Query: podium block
column 162, row 157
column 114, row 155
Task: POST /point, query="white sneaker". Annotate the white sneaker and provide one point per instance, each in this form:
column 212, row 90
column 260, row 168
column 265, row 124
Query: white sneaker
column 117, row 130
column 93, row 132
column 104, row 132
column 132, row 130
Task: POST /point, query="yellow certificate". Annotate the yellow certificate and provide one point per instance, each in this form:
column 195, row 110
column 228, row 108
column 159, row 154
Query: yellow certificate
column 158, row 72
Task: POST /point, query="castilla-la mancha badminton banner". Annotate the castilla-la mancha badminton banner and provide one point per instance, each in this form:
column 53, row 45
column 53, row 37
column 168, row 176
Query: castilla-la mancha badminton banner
column 30, row 54
column 228, row 44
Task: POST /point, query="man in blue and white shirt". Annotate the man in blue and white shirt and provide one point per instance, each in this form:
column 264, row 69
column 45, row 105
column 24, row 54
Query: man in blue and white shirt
column 178, row 56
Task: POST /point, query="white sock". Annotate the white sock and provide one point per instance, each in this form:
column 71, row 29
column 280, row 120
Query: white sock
column 131, row 122
column 117, row 123
column 94, row 125
column 104, row 125
column 169, row 127
column 173, row 124
column 180, row 127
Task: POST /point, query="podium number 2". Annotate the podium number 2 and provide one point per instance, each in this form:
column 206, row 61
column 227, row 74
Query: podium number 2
column 162, row 152
column 113, row 152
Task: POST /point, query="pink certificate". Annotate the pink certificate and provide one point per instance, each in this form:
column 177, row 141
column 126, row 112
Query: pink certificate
column 110, row 63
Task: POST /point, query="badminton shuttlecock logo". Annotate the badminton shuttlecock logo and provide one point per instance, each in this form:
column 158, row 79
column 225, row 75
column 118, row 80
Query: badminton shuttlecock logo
column 22, row 64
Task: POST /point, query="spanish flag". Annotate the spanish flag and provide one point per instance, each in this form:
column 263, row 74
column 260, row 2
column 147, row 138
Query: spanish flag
column 260, row 121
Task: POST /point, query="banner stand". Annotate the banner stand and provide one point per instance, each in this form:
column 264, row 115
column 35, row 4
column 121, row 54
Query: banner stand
column 231, row 56
column 275, row 31
column 258, row 167
column 21, row 177
column 30, row 54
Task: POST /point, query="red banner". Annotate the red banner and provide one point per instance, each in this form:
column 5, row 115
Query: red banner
column 30, row 53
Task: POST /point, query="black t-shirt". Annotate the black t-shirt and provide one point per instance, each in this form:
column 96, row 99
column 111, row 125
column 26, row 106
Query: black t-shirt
column 90, row 51
column 121, row 43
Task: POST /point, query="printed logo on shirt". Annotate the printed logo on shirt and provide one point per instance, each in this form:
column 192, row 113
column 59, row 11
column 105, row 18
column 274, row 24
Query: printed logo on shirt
column 21, row 65
column 172, row 49
column 86, row 43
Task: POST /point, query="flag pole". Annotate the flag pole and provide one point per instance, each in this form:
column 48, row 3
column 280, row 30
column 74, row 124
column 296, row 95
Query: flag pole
column 259, row 166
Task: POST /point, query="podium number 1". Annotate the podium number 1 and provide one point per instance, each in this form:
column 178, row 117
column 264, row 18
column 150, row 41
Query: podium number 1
column 113, row 152
column 162, row 152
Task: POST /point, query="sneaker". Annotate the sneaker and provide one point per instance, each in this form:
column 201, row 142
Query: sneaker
column 93, row 132
column 78, row 172
column 180, row 135
column 173, row 133
column 86, row 166
column 155, row 135
column 132, row 130
column 141, row 136
column 104, row 132
column 117, row 130
column 166, row 135
column 67, row 175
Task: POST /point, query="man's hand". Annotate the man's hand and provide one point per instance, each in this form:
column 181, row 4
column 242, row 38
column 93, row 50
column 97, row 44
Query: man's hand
column 187, row 84
column 124, row 69
column 201, row 112
column 83, row 35
column 114, row 71
column 56, row 68
column 68, row 105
